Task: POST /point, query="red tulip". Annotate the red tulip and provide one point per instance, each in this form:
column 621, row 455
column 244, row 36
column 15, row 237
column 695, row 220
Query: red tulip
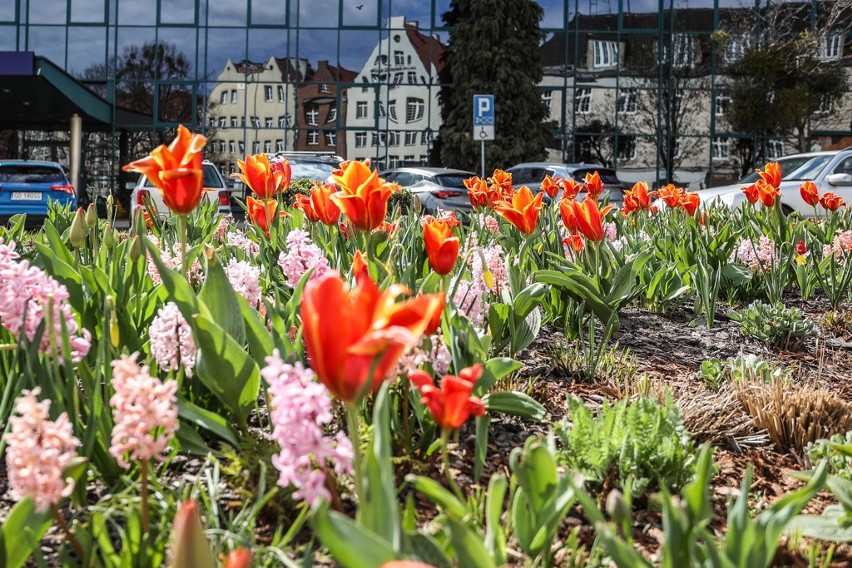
column 800, row 247
column 690, row 202
column 550, row 186
column 176, row 171
column 810, row 193
column 326, row 210
column 262, row 177
column 670, row 194
column 588, row 217
column 442, row 247
column 522, row 211
column 302, row 202
column 359, row 265
column 570, row 188
column 831, row 201
column 503, row 182
column 238, row 558
column 354, row 338
column 575, row 242
column 751, row 193
column 478, row 192
column 261, row 212
column 451, row 404
column 363, row 195
column 637, row 199
column 594, row 184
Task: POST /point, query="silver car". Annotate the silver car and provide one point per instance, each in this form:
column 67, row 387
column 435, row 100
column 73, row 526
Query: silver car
column 434, row 187
column 533, row 173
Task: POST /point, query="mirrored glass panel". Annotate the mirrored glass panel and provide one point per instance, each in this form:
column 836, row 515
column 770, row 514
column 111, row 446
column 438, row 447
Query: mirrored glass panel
column 86, row 51
column 137, row 12
column 49, row 42
column 269, row 13
column 88, row 11
column 178, row 11
column 226, row 13
column 48, row 12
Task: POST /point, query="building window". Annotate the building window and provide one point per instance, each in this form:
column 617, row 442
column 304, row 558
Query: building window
column 414, row 109
column 361, row 109
column 412, row 77
column 232, row 146
column 233, row 96
column 330, row 138
column 719, row 149
column 398, row 78
column 284, row 121
column 547, row 98
column 826, row 105
column 627, row 101
column 324, row 88
column 408, row 160
column 222, row 122
column 398, row 58
column 393, row 161
column 606, row 54
column 279, row 145
column 332, row 113
column 267, row 122
column 626, row 148
column 736, row 48
column 410, row 138
column 243, row 121
column 720, row 103
column 311, row 114
column 774, row 149
column 255, row 147
column 242, row 146
column 392, row 110
column 255, row 123
column 313, row 137
column 379, row 139
column 234, row 122
column 426, row 137
column 829, row 47
column 280, row 94
column 267, row 146
column 223, row 97
column 683, row 55
column 212, row 122
column 583, row 100
column 232, row 168
column 360, row 139
column 267, row 93
column 393, row 138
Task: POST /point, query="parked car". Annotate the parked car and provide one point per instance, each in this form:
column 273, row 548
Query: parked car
column 533, row 173
column 434, row 188
column 828, row 170
column 26, row 187
column 216, row 190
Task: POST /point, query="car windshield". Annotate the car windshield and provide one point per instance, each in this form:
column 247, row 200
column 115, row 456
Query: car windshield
column 318, row 171
column 810, row 169
column 787, row 165
column 210, row 178
column 452, row 180
column 607, row 176
column 22, row 173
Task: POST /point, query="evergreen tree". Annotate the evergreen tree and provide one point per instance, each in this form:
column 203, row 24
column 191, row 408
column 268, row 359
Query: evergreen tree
column 493, row 49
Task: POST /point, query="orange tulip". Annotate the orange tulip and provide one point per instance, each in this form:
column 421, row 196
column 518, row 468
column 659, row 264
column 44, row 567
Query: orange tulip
column 503, row 181
column 478, row 192
column 810, row 193
column 442, row 247
column 670, row 194
column 570, row 188
column 589, row 218
column 238, row 558
column 176, row 170
column 768, row 192
column 263, row 178
column 637, row 199
column 354, row 338
column 452, row 404
column 325, row 208
column 261, row 212
column 690, row 202
column 550, row 186
column 575, row 242
column 771, row 174
column 359, row 265
column 594, row 184
column 831, row 201
column 522, row 211
column 363, row 195
column 302, row 202
column 569, row 219
column 751, row 193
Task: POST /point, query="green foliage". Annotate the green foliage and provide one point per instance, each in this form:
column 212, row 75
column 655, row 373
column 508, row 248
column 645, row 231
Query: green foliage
column 493, row 49
column 644, row 439
column 774, row 324
column 742, row 368
column 837, row 450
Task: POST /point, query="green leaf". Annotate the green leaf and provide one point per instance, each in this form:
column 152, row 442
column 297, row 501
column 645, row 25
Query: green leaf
column 470, row 551
column 208, row 420
column 439, row 495
column 494, row 370
column 495, row 537
column 258, row 337
column 226, row 369
column 425, row 549
column 529, row 298
column 515, row 404
column 22, row 532
column 379, row 510
column 180, row 292
column 221, row 300
column 351, row 546
column 824, row 527
column 481, row 448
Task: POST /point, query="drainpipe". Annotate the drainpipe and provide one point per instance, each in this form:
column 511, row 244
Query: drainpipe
column 76, row 155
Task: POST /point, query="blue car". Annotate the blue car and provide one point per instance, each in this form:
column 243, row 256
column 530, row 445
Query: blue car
column 27, row 187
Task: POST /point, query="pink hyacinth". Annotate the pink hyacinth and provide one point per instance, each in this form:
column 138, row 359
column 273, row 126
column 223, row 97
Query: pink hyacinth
column 488, row 222
column 145, row 412
column 492, row 259
column 38, row 451
column 840, row 246
column 221, row 229
column 171, row 258
column 239, row 240
column 245, row 279
column 26, row 292
column 172, row 345
column 302, row 255
column 610, row 231
column 300, row 411
column 468, row 297
column 757, row 256
column 435, row 353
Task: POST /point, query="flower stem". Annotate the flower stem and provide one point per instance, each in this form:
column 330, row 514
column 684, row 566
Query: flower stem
column 72, row 540
column 144, row 481
column 353, row 418
column 445, row 458
column 182, row 239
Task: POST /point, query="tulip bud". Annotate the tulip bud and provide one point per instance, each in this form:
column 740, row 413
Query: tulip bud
column 135, row 248
column 92, row 216
column 78, row 229
column 109, row 237
column 239, row 558
column 114, row 332
column 188, row 547
column 616, row 507
column 110, row 205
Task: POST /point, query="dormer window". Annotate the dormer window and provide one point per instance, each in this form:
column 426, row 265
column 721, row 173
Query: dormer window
column 606, row 54
column 829, row 47
column 683, row 54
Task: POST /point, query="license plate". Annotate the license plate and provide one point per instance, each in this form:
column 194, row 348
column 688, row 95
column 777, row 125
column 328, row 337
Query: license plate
column 26, row 196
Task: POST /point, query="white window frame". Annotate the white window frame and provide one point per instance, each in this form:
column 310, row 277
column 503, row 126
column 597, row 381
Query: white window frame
column 736, row 48
column 547, row 98
column 605, row 54
column 393, row 138
column 392, row 110
column 332, row 113
column 280, row 93
column 311, row 114
column 313, row 137
column 255, row 147
column 233, row 96
column 627, row 101
column 683, row 52
column 279, row 145
column 399, row 58
column 267, row 122
column 360, row 139
column 223, row 98
column 721, row 101
column 583, row 100
column 267, row 146
column 234, row 122
column 361, row 110
column 232, row 146
column 414, row 109
column 330, row 138
column 829, row 47
column 267, row 93
column 720, row 148
column 774, row 148
column 411, row 138
column 324, row 88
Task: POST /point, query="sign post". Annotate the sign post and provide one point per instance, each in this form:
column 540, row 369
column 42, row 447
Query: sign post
column 483, row 122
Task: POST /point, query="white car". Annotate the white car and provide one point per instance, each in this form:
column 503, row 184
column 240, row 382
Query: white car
column 215, row 186
column 829, row 171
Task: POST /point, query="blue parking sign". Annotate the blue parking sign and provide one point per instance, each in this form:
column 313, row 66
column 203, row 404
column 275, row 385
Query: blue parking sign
column 483, row 117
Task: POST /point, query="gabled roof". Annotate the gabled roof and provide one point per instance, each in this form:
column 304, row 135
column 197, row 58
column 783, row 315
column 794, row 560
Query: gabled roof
column 429, row 49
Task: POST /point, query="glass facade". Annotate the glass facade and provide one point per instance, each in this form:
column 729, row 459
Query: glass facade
column 634, row 84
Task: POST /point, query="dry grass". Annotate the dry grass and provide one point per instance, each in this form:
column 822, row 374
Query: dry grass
column 794, row 415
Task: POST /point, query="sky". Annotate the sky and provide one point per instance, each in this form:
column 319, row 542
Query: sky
column 343, row 31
